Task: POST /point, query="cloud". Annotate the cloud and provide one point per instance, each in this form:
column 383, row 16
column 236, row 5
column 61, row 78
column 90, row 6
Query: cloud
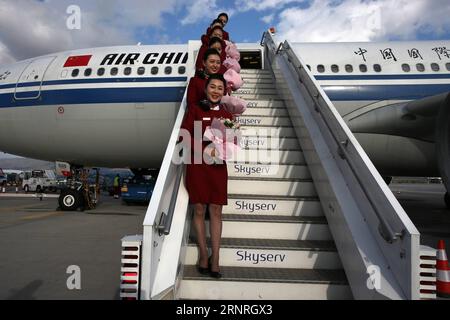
column 30, row 28
column 357, row 20
column 268, row 19
column 261, row 5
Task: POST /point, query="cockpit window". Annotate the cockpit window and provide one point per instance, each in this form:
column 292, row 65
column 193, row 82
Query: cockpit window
column 420, row 67
column 406, row 67
column 321, row 68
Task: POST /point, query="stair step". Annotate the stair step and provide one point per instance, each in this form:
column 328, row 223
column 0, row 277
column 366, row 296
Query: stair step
column 249, row 142
column 262, row 205
column 239, row 283
column 274, row 227
column 255, row 96
column 268, row 131
column 255, row 71
column 266, row 112
column 266, row 85
column 258, row 90
column 245, row 120
column 250, row 76
column 268, row 103
column 268, row 171
column 269, row 187
column 264, row 253
column 268, row 156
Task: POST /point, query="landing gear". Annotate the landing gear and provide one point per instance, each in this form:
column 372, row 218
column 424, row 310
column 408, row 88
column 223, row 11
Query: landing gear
column 79, row 193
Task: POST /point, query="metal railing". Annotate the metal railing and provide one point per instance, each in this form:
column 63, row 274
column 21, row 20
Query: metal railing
column 391, row 240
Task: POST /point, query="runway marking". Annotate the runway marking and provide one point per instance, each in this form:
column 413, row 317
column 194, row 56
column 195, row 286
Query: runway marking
column 41, row 216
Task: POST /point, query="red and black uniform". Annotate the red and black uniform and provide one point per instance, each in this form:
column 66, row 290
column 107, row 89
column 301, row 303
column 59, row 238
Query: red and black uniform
column 200, row 56
column 226, row 35
column 206, row 184
column 196, row 89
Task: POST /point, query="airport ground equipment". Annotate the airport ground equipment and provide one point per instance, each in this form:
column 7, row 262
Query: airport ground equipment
column 79, row 192
column 320, row 223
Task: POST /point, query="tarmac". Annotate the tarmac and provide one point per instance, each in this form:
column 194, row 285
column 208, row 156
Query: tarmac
column 39, row 244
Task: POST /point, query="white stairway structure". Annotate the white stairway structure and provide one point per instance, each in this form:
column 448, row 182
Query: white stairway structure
column 320, row 223
column 276, row 241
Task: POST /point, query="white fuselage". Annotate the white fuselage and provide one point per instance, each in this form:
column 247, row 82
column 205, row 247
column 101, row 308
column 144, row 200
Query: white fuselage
column 49, row 111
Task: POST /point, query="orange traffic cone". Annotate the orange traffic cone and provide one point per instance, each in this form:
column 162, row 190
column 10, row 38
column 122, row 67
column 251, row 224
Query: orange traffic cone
column 442, row 272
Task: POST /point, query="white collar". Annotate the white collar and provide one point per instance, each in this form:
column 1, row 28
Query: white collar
column 216, row 108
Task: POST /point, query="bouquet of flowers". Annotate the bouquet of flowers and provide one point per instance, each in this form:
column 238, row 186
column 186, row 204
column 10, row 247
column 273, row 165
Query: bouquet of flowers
column 225, row 136
column 231, row 63
column 232, row 51
column 234, row 105
column 234, row 80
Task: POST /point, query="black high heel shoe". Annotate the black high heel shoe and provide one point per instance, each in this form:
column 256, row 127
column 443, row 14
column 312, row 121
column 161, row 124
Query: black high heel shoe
column 204, row 271
column 213, row 274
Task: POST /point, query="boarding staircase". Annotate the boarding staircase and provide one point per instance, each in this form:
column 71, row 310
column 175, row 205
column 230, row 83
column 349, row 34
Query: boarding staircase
column 276, row 241
column 320, row 223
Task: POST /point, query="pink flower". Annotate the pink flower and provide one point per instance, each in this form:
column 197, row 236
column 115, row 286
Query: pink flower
column 225, row 136
column 234, row 105
column 234, row 80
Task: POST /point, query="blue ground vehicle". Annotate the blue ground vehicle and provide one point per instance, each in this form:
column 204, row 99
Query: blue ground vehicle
column 138, row 189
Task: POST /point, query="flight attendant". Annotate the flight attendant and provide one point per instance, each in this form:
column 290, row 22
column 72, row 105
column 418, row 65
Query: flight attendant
column 196, row 88
column 214, row 43
column 207, row 183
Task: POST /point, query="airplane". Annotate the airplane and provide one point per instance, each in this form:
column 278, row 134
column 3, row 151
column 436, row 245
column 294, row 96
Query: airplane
column 116, row 106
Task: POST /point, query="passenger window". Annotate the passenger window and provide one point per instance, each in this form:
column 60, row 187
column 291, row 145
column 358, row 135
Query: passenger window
column 127, row 71
column 335, row 68
column 362, row 68
column 406, row 67
column 447, row 65
column 377, row 67
column 114, row 71
column 321, row 68
column 75, row 72
column 141, row 71
column 101, row 72
column 435, row 67
column 154, row 70
column 181, row 70
column 420, row 67
column 88, row 72
column 349, row 68
column 168, row 70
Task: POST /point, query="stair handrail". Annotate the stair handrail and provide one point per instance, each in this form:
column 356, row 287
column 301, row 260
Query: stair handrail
column 398, row 253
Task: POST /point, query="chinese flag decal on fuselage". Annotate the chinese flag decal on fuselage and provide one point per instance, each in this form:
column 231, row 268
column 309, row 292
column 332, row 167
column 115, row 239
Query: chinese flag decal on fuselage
column 77, row 61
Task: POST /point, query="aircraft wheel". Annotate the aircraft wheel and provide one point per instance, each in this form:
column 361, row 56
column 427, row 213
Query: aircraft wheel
column 69, row 200
column 447, row 200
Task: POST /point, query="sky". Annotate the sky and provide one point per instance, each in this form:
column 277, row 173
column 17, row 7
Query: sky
column 30, row 28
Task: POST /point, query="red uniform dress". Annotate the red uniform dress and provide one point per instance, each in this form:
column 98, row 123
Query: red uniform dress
column 201, row 53
column 196, row 90
column 206, row 184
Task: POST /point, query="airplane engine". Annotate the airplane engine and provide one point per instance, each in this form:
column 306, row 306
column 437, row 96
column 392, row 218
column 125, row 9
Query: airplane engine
column 408, row 138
